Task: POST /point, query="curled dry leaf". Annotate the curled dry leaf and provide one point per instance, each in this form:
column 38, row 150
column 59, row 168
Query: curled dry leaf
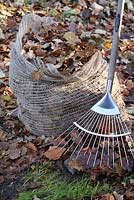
column 2, row 135
column 54, row 153
column 37, row 75
column 75, row 165
column 31, row 149
column 71, row 37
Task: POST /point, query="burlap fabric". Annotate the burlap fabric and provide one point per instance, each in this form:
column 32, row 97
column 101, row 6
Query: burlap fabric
column 50, row 105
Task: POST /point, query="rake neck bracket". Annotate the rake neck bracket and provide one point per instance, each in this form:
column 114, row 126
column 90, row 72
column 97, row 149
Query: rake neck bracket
column 107, row 106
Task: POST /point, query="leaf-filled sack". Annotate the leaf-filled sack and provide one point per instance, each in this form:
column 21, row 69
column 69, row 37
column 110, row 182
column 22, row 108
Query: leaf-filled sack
column 55, row 75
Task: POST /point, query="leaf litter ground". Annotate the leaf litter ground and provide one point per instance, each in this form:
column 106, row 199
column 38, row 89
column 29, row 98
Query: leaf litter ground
column 83, row 28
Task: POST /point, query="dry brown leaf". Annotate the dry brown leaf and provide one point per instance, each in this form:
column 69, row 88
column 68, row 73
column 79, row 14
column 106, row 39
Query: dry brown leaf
column 129, row 195
column 118, row 196
column 71, row 37
column 54, row 153
column 130, row 84
column 75, row 165
column 14, row 153
column 107, row 197
column 38, row 141
column 40, row 52
column 30, row 54
column 31, row 149
column 37, row 75
column 118, row 169
column 59, row 140
column 76, row 137
column 2, row 135
column 2, row 179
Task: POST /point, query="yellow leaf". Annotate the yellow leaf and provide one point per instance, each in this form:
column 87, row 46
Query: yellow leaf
column 108, row 45
column 6, row 97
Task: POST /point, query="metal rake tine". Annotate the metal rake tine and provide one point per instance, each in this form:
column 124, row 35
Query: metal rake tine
column 108, row 160
column 132, row 152
column 77, row 145
column 92, row 135
column 91, row 152
column 71, row 138
column 113, row 143
column 93, row 143
column 130, row 138
column 91, row 119
column 102, row 152
column 66, row 135
column 97, row 152
column 117, row 140
column 82, row 117
column 119, row 122
column 72, row 143
column 88, row 144
column 98, row 143
column 82, row 146
column 86, row 137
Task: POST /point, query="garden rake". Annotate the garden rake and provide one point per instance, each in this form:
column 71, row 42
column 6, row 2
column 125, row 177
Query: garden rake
column 101, row 136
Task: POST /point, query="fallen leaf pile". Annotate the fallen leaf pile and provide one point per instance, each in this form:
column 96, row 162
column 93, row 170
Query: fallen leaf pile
column 66, row 50
column 82, row 27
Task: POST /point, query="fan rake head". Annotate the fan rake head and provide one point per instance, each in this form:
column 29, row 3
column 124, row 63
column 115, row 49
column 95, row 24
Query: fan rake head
column 104, row 141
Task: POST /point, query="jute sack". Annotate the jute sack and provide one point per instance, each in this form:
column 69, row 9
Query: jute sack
column 50, row 105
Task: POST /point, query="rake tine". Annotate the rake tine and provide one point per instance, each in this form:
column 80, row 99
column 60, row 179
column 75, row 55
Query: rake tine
column 97, row 152
column 91, row 152
column 82, row 145
column 102, row 152
column 108, row 125
column 118, row 121
column 97, row 119
column 90, row 114
column 101, row 129
column 113, row 142
column 115, row 122
column 82, row 118
column 131, row 150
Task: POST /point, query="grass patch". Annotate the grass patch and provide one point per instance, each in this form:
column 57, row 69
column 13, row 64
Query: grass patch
column 56, row 185
column 52, row 184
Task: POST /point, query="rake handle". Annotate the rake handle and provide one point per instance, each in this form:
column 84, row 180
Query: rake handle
column 116, row 37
